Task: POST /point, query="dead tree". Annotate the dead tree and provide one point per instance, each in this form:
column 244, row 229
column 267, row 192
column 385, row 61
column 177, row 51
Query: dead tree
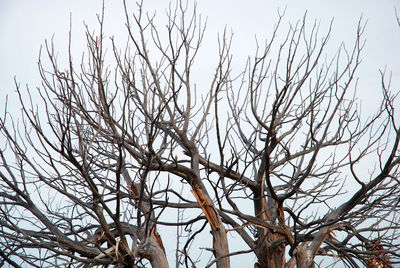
column 280, row 154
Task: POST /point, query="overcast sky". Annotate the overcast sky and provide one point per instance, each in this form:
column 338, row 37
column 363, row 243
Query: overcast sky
column 25, row 24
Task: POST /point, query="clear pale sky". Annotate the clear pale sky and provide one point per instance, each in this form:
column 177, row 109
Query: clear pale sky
column 25, row 24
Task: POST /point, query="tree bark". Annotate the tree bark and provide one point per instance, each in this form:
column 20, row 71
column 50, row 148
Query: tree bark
column 158, row 258
column 221, row 248
column 267, row 256
column 220, row 240
column 270, row 257
column 303, row 258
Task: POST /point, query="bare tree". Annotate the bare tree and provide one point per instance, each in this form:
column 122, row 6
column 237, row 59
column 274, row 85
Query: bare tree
column 279, row 154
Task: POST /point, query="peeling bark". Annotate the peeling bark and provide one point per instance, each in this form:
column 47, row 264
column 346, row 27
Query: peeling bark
column 220, row 241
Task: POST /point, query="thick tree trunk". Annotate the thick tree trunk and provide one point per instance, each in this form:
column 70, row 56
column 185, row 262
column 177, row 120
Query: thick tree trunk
column 156, row 253
column 269, row 257
column 303, row 259
column 220, row 240
column 221, row 248
column 159, row 261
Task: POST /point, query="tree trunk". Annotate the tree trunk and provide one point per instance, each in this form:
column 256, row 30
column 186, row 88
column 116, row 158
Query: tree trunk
column 156, row 252
column 303, row 259
column 220, row 240
column 159, row 261
column 221, row 248
column 269, row 257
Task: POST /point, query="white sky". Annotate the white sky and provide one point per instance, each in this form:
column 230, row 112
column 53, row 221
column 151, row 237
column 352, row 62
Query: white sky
column 25, row 24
